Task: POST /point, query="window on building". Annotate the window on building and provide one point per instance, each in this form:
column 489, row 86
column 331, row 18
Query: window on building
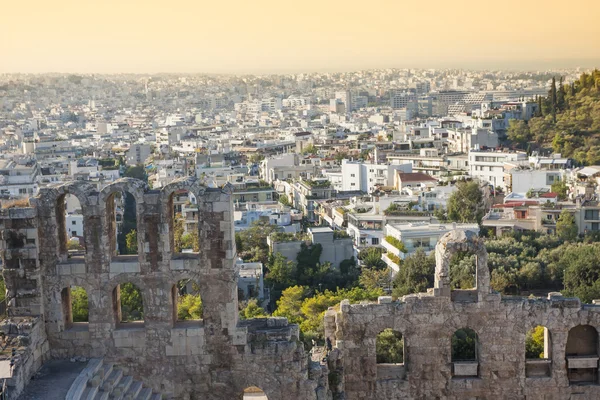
column 73, row 223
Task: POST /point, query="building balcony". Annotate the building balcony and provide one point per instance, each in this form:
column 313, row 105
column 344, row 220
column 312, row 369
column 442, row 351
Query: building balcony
column 390, row 263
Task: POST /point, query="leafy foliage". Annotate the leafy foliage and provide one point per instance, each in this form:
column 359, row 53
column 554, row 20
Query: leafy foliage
column 518, row 132
column 252, row 244
column 252, row 310
column 566, row 228
column 132, row 308
column 465, row 204
column 397, row 243
column 534, row 343
column 131, row 244
column 189, row 306
column 416, row 274
column 560, row 187
column 390, row 347
column 464, row 345
column 570, row 119
column 79, row 304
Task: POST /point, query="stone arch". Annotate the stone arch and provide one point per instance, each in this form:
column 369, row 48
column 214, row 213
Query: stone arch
column 55, row 196
column 254, row 393
column 465, row 353
column 191, row 185
column 582, row 354
column 455, row 241
column 120, row 319
column 135, row 188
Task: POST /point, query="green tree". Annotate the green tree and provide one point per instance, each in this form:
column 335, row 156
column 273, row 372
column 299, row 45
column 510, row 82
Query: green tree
column 79, row 304
column 283, row 199
column 137, row 172
column 375, row 279
column 131, row 242
column 581, row 274
column 310, row 149
column 553, row 99
column 252, row 244
column 464, row 345
column 189, row 306
column 534, row 343
column 466, row 203
column 190, row 241
column 132, row 307
column 389, row 347
column 566, row 228
column 560, row 187
column 252, row 310
column 415, row 275
column 290, row 302
column 281, row 272
column 371, row 258
column 518, row 132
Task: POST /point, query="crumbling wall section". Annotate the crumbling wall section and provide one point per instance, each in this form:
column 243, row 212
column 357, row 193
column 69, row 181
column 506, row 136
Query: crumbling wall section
column 213, row 358
column 427, row 322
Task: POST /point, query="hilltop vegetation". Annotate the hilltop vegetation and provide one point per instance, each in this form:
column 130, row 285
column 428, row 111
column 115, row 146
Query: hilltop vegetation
column 568, row 120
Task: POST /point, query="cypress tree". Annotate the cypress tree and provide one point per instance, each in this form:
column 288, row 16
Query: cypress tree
column 553, row 99
column 540, row 106
column 560, row 97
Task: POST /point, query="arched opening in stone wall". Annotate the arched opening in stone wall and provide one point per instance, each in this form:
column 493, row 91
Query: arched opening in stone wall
column 128, row 304
column 183, row 222
column 389, row 350
column 465, row 353
column 582, row 354
column 69, row 222
column 463, row 267
column 75, row 306
column 187, row 303
column 121, row 209
column 254, row 393
column 537, row 352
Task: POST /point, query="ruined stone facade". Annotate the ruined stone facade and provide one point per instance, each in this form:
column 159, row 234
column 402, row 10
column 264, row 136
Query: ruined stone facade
column 218, row 357
column 213, row 358
column 428, row 321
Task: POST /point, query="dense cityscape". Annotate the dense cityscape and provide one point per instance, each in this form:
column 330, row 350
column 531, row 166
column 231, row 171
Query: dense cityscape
column 341, row 186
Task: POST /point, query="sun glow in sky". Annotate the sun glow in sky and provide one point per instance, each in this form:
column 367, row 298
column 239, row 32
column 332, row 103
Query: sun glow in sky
column 257, row 36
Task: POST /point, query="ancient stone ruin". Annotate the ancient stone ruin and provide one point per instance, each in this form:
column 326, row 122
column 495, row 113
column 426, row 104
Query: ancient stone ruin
column 218, row 357
column 213, row 358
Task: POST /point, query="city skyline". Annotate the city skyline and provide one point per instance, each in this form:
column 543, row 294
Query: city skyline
column 266, row 37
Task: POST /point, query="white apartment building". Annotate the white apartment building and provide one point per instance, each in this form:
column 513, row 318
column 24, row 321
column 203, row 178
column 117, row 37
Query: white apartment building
column 19, row 177
column 521, row 180
column 284, row 166
column 488, row 166
column 364, row 177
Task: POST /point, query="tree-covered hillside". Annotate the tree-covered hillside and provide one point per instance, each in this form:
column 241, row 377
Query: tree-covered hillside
column 568, row 120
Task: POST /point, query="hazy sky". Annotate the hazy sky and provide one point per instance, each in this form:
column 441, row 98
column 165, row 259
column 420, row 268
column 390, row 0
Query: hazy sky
column 286, row 36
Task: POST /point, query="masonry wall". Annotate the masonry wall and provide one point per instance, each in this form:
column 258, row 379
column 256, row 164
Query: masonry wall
column 213, row 358
column 427, row 322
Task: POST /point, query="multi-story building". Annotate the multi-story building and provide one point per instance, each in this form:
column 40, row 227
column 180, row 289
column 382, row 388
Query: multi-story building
column 19, row 177
column 488, row 166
